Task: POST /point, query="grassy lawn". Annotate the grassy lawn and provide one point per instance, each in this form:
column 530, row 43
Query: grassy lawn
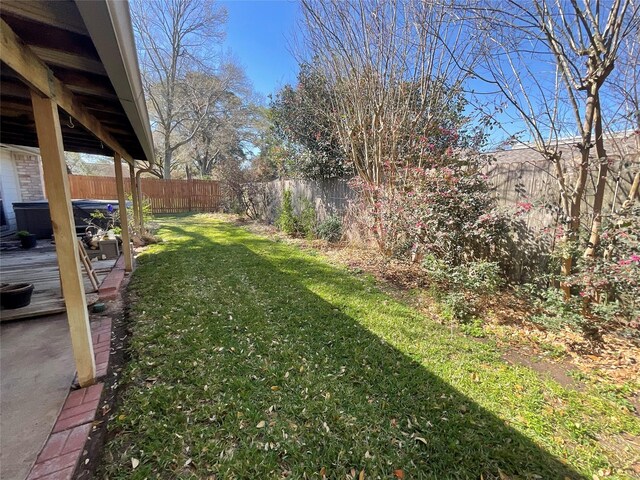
column 252, row 359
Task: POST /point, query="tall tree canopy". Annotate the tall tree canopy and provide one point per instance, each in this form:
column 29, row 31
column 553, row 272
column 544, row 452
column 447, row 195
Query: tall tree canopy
column 302, row 119
column 393, row 80
column 174, row 38
column 226, row 123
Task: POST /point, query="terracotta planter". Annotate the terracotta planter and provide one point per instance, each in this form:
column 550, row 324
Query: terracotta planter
column 16, row 295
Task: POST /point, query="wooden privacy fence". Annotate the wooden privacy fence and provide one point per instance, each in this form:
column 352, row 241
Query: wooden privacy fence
column 329, row 197
column 165, row 196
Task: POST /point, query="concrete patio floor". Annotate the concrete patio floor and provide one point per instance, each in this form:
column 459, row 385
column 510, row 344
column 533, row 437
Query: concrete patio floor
column 36, row 371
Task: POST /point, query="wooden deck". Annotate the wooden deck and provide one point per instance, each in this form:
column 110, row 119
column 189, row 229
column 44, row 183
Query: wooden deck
column 40, row 267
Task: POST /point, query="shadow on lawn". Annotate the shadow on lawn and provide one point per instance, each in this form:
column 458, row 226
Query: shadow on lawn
column 358, row 402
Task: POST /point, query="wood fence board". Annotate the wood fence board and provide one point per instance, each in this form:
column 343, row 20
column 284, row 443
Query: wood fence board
column 165, row 196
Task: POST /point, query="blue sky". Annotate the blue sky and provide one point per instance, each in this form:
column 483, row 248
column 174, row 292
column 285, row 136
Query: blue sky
column 259, row 34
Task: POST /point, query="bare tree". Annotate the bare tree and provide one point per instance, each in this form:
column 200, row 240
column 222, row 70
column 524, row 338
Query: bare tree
column 550, row 60
column 225, row 121
column 394, row 68
column 174, row 38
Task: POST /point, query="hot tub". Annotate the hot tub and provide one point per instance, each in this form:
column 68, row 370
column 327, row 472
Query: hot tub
column 35, row 218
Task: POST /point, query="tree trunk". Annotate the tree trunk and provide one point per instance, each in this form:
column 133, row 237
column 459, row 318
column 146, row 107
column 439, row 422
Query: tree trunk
column 603, row 170
column 166, row 171
column 581, row 181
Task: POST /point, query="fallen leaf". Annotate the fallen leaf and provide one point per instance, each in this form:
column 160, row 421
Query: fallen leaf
column 275, row 388
column 422, row 440
column 134, row 463
column 398, row 473
column 261, row 424
column 503, row 476
column 323, row 472
column 361, row 476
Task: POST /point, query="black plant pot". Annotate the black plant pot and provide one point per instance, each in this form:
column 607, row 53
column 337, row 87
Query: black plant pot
column 28, row 242
column 16, row 295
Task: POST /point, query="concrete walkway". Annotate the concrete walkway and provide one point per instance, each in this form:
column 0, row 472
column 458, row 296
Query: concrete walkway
column 36, row 371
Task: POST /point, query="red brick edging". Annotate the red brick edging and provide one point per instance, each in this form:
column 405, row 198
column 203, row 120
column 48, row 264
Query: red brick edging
column 59, row 456
column 111, row 284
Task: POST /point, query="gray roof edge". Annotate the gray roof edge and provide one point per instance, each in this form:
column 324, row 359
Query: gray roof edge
column 109, row 24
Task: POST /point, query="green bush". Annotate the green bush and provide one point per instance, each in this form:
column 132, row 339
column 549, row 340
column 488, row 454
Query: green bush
column 556, row 312
column 483, row 276
column 330, row 229
column 438, row 270
column 308, row 219
column 457, row 307
column 480, row 277
column 287, row 221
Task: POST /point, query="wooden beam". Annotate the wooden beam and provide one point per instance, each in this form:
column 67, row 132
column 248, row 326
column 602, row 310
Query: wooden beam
column 15, row 88
column 59, row 14
column 69, row 60
column 134, row 198
column 35, row 73
column 56, row 182
column 122, row 213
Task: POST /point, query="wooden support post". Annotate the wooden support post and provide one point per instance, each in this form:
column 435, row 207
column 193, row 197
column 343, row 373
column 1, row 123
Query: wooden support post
column 140, row 201
column 122, row 212
column 56, row 181
column 134, row 198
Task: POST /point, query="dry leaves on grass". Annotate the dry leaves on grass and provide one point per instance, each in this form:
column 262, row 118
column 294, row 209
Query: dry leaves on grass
column 505, row 315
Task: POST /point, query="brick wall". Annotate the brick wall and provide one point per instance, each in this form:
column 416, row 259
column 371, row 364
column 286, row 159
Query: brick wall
column 29, row 176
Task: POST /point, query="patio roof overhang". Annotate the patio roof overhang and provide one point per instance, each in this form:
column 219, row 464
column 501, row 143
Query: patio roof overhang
column 70, row 81
column 82, row 55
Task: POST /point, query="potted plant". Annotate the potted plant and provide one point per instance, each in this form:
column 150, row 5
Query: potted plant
column 16, row 295
column 27, row 240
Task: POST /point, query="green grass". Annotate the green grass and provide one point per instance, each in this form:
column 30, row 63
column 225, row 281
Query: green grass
column 252, row 359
